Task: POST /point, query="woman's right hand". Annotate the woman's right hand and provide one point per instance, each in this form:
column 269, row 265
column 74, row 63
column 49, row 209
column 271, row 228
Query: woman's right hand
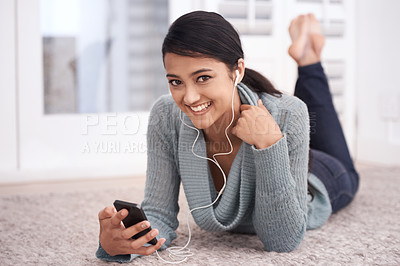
column 115, row 239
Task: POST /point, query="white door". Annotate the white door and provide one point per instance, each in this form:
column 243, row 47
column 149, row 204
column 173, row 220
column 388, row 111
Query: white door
column 89, row 131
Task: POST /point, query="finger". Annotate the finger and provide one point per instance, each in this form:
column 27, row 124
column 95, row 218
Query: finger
column 134, row 229
column 244, row 107
column 144, row 239
column 261, row 105
column 106, row 213
column 234, row 130
column 240, row 128
column 151, row 249
column 118, row 217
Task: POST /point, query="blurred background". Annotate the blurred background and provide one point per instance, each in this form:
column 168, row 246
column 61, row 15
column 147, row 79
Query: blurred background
column 78, row 78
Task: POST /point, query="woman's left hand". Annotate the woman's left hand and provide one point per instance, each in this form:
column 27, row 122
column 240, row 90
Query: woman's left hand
column 256, row 126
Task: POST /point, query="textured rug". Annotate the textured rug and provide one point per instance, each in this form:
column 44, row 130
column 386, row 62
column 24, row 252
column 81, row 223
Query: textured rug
column 61, row 228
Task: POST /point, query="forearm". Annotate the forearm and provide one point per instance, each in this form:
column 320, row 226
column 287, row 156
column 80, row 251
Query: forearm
column 162, row 219
column 279, row 218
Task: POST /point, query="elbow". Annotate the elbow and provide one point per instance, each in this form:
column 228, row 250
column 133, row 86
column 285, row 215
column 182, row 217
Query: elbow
column 284, row 243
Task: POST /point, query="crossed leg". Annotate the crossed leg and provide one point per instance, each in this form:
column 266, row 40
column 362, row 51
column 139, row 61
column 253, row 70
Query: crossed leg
column 331, row 160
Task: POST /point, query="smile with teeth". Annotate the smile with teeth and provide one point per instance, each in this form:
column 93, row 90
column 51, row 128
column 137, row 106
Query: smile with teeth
column 201, row 107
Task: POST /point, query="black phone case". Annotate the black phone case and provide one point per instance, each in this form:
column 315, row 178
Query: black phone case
column 136, row 215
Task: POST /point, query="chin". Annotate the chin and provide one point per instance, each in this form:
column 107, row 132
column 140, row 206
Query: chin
column 201, row 124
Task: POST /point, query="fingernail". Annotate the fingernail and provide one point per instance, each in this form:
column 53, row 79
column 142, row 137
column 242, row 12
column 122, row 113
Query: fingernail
column 154, row 233
column 145, row 224
column 124, row 212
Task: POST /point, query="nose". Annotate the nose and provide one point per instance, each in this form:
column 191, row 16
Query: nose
column 191, row 95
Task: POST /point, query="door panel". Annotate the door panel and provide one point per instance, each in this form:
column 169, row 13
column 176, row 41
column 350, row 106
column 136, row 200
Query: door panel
column 90, row 143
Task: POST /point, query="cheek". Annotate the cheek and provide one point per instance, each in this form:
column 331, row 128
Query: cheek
column 178, row 96
column 224, row 99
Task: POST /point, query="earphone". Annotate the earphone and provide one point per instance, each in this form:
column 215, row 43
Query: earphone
column 237, row 78
column 184, row 252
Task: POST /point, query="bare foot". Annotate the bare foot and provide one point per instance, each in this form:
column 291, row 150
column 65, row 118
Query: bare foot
column 317, row 39
column 307, row 40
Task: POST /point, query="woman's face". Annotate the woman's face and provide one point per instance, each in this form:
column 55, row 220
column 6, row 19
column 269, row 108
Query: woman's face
column 202, row 88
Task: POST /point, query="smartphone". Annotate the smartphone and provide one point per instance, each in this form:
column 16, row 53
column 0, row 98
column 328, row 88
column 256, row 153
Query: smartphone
column 136, row 215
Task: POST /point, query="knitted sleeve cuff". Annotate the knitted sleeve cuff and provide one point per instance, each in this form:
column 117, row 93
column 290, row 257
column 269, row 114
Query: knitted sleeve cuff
column 273, row 162
column 164, row 230
column 103, row 255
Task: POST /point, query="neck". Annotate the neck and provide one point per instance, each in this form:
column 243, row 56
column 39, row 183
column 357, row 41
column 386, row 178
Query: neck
column 216, row 132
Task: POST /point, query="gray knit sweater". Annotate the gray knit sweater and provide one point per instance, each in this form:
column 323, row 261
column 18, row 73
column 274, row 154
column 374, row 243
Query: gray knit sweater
column 266, row 190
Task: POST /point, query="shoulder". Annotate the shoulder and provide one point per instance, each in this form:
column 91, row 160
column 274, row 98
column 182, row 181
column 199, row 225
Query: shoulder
column 286, row 104
column 164, row 116
column 291, row 114
column 285, row 109
column 164, row 105
column 165, row 109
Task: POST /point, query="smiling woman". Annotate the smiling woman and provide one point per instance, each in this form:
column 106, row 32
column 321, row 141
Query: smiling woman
column 260, row 182
column 194, row 89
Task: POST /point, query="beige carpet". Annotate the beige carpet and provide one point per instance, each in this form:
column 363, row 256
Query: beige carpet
column 61, row 228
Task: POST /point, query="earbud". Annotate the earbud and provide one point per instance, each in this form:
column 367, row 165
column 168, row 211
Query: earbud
column 237, row 77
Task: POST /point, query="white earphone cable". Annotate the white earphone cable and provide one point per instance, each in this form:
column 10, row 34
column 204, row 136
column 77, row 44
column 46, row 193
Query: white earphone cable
column 184, row 252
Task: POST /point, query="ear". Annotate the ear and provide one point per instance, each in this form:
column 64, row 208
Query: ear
column 241, row 68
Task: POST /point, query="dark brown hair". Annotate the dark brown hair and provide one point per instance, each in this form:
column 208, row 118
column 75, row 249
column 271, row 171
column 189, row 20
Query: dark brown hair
column 208, row 34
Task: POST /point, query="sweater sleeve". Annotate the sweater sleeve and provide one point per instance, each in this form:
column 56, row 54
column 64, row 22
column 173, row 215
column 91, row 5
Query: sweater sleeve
column 162, row 178
column 160, row 202
column 280, row 212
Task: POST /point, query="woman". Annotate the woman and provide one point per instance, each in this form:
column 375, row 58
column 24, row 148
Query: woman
column 267, row 171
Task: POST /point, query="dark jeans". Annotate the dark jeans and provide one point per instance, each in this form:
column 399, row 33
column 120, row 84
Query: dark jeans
column 330, row 157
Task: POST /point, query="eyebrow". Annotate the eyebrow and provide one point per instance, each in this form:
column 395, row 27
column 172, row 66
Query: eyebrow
column 194, row 73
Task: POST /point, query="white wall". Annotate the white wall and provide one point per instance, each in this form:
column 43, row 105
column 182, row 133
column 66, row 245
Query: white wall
column 8, row 118
column 377, row 79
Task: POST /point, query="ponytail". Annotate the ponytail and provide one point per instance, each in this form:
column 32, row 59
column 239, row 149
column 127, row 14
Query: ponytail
column 258, row 83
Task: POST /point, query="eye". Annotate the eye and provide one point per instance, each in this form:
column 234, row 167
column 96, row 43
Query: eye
column 175, row 82
column 203, row 78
